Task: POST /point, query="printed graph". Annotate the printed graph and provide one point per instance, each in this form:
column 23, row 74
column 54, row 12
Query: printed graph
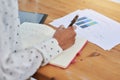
column 84, row 22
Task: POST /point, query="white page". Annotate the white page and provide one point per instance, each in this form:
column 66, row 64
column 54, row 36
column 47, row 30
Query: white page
column 65, row 58
column 118, row 1
column 104, row 33
column 30, row 33
column 65, row 20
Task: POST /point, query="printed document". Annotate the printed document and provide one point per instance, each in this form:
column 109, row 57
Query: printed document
column 95, row 27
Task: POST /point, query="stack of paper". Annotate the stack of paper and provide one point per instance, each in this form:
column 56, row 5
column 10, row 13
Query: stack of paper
column 94, row 26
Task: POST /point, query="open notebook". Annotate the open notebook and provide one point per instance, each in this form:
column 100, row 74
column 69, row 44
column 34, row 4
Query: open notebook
column 32, row 33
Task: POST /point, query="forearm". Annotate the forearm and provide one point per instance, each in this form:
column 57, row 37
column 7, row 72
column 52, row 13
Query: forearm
column 24, row 63
column 20, row 65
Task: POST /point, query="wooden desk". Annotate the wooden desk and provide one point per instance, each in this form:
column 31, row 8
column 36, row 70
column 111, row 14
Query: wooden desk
column 105, row 66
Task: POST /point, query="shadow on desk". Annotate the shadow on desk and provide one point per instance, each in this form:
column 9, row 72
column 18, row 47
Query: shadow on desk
column 42, row 77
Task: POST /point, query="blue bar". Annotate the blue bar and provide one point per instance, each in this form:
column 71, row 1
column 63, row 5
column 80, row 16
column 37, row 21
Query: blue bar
column 89, row 24
column 82, row 22
column 83, row 26
column 87, row 20
column 82, row 18
column 79, row 23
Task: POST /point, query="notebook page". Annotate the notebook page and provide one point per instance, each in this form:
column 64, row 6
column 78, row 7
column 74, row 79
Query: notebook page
column 66, row 57
column 32, row 33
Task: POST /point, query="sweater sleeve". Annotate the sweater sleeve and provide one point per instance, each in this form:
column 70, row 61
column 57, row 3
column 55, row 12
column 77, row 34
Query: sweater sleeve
column 17, row 63
column 22, row 64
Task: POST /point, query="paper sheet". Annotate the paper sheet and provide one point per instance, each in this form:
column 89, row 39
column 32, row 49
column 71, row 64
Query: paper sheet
column 94, row 26
column 118, row 1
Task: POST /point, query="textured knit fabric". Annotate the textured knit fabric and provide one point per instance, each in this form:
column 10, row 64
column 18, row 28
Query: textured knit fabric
column 17, row 63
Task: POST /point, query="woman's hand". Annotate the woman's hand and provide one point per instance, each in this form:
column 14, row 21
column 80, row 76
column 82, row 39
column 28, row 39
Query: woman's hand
column 65, row 37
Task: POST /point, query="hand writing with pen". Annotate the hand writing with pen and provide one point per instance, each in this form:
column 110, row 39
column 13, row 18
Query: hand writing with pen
column 66, row 36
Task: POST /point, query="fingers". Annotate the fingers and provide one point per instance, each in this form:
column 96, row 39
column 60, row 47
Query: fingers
column 72, row 27
column 73, row 30
column 61, row 27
